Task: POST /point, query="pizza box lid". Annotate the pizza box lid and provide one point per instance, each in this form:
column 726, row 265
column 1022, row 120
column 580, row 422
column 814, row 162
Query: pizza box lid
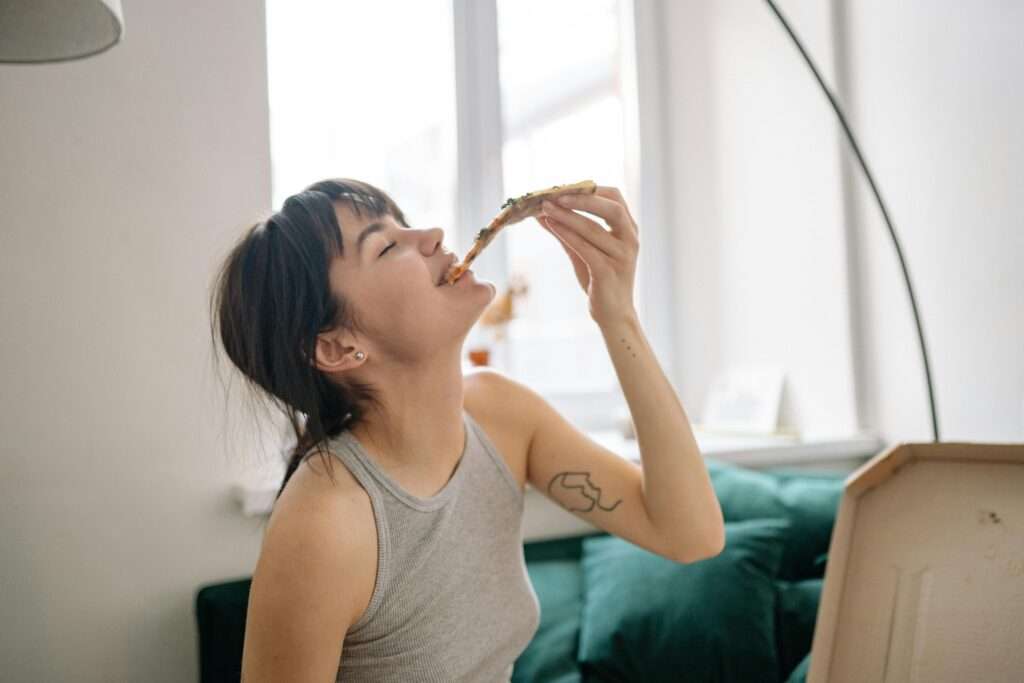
column 925, row 572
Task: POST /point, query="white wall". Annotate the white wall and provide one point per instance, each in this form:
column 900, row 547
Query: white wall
column 764, row 229
column 123, row 178
column 937, row 99
column 761, row 270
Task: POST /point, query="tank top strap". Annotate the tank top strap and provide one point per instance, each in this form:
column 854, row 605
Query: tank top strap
column 489, row 447
column 360, row 468
column 364, row 476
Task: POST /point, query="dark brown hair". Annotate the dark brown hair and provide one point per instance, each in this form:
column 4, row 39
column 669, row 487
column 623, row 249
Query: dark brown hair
column 271, row 297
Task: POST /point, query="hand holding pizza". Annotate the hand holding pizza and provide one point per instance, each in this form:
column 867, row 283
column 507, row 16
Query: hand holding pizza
column 604, row 260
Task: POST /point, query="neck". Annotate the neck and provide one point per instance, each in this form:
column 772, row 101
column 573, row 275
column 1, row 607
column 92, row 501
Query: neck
column 419, row 424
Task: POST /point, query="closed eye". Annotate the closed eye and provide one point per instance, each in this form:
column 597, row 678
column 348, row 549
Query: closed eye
column 386, row 248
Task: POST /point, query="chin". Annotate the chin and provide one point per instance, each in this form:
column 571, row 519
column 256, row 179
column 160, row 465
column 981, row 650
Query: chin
column 493, row 289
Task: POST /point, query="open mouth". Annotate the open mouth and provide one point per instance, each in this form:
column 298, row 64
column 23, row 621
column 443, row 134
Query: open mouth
column 446, row 270
column 463, row 276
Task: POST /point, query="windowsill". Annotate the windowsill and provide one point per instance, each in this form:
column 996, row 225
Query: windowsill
column 748, row 451
column 760, row 451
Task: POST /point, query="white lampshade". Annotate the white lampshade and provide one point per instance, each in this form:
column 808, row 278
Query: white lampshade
column 58, row 30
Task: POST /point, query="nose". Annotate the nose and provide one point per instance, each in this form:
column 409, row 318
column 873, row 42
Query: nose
column 437, row 237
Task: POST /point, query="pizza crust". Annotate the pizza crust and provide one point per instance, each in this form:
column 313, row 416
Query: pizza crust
column 515, row 209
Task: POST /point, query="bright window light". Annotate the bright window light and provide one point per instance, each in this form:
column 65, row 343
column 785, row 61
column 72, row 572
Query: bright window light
column 563, row 120
column 365, row 90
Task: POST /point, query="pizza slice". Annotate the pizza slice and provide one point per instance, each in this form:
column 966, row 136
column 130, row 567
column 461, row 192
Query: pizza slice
column 512, row 211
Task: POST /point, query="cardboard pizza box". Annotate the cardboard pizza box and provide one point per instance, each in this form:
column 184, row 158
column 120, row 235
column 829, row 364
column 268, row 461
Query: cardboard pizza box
column 925, row 572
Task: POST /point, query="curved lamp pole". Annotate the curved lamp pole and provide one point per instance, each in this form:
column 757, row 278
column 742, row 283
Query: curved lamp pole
column 881, row 206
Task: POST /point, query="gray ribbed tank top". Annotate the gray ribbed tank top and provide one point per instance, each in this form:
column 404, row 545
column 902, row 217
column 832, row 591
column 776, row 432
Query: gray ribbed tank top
column 452, row 599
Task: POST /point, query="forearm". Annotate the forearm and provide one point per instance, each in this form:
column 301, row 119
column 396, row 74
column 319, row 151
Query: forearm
column 677, row 489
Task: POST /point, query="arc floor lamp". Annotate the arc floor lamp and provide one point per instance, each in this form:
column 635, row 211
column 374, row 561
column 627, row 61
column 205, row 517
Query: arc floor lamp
column 881, row 206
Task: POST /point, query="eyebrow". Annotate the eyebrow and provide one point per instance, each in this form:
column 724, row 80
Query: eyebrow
column 376, row 226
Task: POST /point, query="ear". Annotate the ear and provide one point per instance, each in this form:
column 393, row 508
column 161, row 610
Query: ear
column 334, row 352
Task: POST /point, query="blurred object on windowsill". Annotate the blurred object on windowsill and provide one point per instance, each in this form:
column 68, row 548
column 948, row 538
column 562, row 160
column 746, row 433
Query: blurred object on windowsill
column 494, row 320
column 480, row 356
column 501, row 310
column 746, row 399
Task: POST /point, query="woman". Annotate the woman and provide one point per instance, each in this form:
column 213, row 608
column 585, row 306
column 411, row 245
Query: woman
column 408, row 565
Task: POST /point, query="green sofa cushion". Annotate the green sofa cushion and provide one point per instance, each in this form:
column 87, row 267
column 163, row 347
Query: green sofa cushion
column 795, row 613
column 799, row 674
column 551, row 655
column 807, row 500
column 220, row 615
column 554, row 570
column 647, row 618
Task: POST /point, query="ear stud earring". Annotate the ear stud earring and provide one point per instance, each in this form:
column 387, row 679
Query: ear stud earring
column 360, row 355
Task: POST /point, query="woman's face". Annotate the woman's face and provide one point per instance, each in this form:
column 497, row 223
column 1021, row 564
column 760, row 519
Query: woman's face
column 389, row 275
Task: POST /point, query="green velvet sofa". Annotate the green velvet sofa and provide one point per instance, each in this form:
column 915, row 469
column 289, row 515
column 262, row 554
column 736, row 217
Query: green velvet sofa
column 611, row 611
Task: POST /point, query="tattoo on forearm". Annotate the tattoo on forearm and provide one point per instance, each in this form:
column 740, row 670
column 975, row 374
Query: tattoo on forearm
column 583, row 492
column 628, row 347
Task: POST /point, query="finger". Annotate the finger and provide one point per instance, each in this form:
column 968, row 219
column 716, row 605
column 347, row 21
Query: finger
column 614, row 194
column 596, row 260
column 586, row 228
column 611, row 210
column 578, row 264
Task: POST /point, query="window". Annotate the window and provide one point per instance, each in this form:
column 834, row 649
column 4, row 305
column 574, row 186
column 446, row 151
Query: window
column 356, row 92
column 562, row 119
column 452, row 106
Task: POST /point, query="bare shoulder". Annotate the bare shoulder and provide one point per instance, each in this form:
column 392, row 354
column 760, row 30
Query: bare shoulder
column 325, row 506
column 500, row 405
column 319, row 482
column 314, row 577
column 497, row 396
column 319, row 516
column 323, row 497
